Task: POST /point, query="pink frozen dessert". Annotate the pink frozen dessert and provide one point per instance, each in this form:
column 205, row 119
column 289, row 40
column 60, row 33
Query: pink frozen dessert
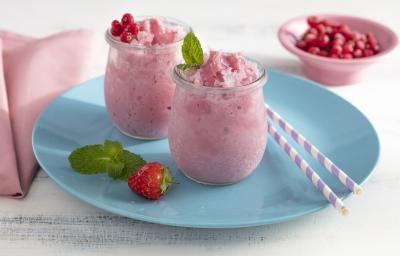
column 138, row 83
column 218, row 128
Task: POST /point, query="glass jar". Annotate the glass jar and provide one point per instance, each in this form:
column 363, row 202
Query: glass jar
column 138, row 86
column 218, row 135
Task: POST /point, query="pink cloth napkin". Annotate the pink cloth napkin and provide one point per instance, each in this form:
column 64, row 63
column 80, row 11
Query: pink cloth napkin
column 32, row 73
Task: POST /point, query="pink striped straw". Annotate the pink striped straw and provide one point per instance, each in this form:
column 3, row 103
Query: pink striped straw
column 308, row 171
column 314, row 152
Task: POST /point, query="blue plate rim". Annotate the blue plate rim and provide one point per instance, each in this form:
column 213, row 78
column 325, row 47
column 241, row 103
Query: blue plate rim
column 284, row 218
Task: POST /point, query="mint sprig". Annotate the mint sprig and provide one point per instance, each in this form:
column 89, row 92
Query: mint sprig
column 192, row 52
column 109, row 157
column 132, row 162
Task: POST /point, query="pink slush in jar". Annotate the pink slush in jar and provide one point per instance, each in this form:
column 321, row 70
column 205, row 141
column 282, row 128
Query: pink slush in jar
column 138, row 85
column 217, row 135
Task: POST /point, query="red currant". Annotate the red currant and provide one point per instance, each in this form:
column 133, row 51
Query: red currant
column 127, row 37
column 356, row 36
column 310, row 39
column 376, row 48
column 339, row 36
column 312, row 31
column 127, row 19
column 326, row 38
column 373, row 44
column 333, row 55
column 363, row 37
column 321, row 28
column 116, row 28
column 348, row 48
column 371, row 38
column 133, row 28
column 314, row 50
column 347, row 56
column 336, row 49
column 301, row 44
column 343, row 27
column 323, row 41
column 323, row 53
column 347, row 33
column 338, row 41
column 324, row 22
column 368, row 52
column 114, row 23
column 358, row 53
column 360, row 45
column 312, row 21
column 329, row 30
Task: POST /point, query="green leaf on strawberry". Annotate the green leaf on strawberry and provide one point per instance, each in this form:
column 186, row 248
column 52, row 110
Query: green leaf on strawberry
column 167, row 181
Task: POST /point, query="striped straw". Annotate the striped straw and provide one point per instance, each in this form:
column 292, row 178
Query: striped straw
column 308, row 171
column 314, row 152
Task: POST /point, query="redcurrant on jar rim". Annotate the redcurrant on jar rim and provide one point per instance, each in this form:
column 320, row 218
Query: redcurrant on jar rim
column 116, row 42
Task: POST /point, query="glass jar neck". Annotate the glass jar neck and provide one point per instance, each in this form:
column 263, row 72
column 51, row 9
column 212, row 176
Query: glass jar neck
column 259, row 82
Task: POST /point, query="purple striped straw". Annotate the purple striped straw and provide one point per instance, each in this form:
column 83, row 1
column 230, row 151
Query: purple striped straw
column 308, row 171
column 314, row 152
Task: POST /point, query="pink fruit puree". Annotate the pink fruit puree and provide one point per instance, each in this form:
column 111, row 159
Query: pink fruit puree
column 223, row 70
column 155, row 31
column 218, row 130
column 138, row 83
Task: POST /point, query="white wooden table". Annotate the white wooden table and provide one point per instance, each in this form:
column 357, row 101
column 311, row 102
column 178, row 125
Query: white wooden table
column 51, row 222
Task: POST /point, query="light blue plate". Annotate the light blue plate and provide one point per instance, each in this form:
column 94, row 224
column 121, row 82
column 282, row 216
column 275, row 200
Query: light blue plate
column 277, row 191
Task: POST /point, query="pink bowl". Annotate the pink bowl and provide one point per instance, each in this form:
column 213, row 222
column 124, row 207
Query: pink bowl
column 336, row 71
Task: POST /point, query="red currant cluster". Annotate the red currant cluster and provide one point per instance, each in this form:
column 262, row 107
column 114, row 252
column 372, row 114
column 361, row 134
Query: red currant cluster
column 126, row 29
column 327, row 39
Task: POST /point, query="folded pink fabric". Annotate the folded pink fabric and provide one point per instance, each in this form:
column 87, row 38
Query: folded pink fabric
column 9, row 183
column 32, row 73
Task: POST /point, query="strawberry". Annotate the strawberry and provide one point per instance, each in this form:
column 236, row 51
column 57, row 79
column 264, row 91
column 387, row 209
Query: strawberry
column 151, row 181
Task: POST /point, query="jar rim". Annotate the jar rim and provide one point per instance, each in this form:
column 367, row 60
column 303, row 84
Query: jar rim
column 112, row 40
column 259, row 82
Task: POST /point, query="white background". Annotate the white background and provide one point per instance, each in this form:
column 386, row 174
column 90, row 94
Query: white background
column 51, row 222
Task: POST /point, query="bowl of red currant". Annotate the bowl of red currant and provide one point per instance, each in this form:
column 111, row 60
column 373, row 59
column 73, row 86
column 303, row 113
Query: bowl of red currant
column 336, row 49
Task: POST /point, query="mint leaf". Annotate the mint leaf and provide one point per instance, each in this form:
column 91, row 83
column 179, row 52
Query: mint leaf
column 112, row 148
column 192, row 52
column 111, row 157
column 115, row 169
column 184, row 66
column 89, row 159
column 132, row 163
column 98, row 158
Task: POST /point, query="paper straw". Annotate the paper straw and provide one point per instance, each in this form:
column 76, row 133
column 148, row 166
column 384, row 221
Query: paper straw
column 308, row 171
column 314, row 152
